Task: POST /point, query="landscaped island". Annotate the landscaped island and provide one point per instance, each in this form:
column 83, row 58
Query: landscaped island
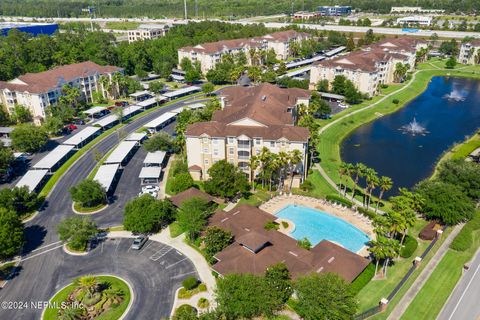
column 90, row 297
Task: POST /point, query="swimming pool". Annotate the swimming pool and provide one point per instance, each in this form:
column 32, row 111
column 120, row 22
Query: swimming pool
column 316, row 226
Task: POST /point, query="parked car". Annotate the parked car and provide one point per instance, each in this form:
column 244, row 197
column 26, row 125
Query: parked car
column 121, row 103
column 79, row 121
column 110, row 108
column 150, row 188
column 343, row 105
column 139, row 242
column 71, row 127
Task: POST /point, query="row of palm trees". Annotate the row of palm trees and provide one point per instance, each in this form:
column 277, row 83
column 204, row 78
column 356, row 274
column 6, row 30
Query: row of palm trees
column 117, row 83
column 274, row 168
column 392, row 228
column 354, row 172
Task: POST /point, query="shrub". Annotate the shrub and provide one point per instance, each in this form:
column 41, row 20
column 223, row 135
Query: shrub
column 285, row 224
column 181, row 182
column 384, row 86
column 363, row 279
column 270, row 225
column 190, row 283
column 464, row 240
column 202, row 287
column 307, row 185
column 367, row 213
column 409, row 247
column 396, row 101
column 185, row 311
column 304, row 243
column 339, row 199
column 203, row 303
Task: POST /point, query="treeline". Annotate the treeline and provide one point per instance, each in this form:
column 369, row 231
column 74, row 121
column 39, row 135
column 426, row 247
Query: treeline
column 210, row 8
column 19, row 53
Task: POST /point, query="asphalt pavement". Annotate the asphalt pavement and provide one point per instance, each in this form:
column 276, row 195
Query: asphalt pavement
column 44, row 270
column 463, row 304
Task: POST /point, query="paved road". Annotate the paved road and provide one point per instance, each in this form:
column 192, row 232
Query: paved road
column 390, row 31
column 464, row 304
column 155, row 273
column 41, row 263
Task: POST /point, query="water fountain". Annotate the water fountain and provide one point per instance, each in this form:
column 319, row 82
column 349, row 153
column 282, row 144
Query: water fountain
column 455, row 95
column 414, row 128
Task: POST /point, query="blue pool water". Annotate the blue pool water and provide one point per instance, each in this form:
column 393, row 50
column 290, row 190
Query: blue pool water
column 316, row 226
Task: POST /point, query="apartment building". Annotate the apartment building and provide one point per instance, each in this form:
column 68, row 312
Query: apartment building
column 40, row 90
column 335, row 10
column 251, row 118
column 371, row 66
column 148, row 32
column 209, row 54
column 469, row 52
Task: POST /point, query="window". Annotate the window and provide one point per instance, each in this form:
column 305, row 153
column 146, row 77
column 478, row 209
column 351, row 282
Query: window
column 215, row 141
column 205, row 140
column 205, row 150
column 215, row 152
column 230, row 140
column 206, row 162
column 283, row 143
column 230, row 151
column 258, row 141
column 243, row 155
column 272, row 144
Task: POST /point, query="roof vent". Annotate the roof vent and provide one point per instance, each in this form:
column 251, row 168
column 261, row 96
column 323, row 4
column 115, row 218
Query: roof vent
column 264, row 98
column 331, row 259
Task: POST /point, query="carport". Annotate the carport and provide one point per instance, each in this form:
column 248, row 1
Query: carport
column 121, row 153
column 53, row 159
column 131, row 111
column 138, row 137
column 96, row 112
column 154, row 159
column 106, row 176
column 82, row 137
column 141, row 95
column 150, row 175
column 32, row 179
column 106, row 122
column 182, row 92
column 161, row 121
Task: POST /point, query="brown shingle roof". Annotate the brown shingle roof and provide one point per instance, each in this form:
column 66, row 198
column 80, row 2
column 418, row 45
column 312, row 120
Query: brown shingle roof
column 285, row 36
column 45, row 81
column 180, row 198
column 247, row 225
column 265, row 103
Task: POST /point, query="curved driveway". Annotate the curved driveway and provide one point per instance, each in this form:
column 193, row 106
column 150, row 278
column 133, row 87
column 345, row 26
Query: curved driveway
column 45, row 268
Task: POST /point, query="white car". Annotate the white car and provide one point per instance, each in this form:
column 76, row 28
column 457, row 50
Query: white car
column 147, row 189
column 343, row 105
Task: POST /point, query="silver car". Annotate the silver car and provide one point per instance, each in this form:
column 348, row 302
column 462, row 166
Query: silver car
column 139, row 242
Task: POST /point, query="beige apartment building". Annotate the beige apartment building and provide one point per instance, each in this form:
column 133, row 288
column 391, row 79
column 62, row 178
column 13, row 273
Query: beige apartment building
column 251, row 118
column 148, row 32
column 371, row 66
column 469, row 52
column 209, row 54
column 36, row 91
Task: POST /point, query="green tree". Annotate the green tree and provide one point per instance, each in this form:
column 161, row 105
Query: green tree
column 208, row 88
column 181, row 182
column 463, row 174
column 278, row 278
column 6, row 158
column 246, row 296
column 11, row 233
column 384, row 184
column 88, row 193
column 146, row 214
column 185, row 312
column 156, row 86
column 451, row 63
column 29, row 138
column 226, row 180
column 282, row 68
column 323, row 85
column 324, row 296
column 216, row 239
column 192, row 216
column 76, row 231
column 445, row 201
column 160, row 141
column 53, row 124
column 21, row 114
column 19, row 200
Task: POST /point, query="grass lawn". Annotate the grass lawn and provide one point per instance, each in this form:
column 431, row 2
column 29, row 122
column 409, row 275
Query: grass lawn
column 442, row 281
column 78, row 207
column 321, row 188
column 175, row 229
column 256, row 198
column 122, row 25
column 112, row 314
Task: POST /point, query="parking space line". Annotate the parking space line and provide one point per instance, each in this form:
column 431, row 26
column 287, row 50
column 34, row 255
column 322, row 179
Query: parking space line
column 178, row 276
column 173, row 264
column 160, row 253
column 179, row 253
column 40, row 253
column 148, row 245
column 46, row 246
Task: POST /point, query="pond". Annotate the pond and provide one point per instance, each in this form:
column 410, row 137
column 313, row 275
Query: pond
column 448, row 111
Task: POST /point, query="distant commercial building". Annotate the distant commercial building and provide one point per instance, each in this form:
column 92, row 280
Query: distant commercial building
column 469, row 52
column 370, row 67
column 209, row 54
column 36, row 91
column 32, row 28
column 415, row 20
column 414, row 10
column 335, row 10
column 148, row 32
column 305, row 15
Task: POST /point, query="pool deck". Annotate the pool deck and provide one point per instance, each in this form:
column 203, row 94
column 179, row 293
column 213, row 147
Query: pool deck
column 357, row 219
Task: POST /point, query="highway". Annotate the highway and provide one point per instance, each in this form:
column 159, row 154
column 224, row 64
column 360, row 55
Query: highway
column 463, row 304
column 45, row 268
column 348, row 29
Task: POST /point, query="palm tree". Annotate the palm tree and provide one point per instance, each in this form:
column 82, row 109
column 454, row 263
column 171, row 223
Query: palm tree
column 385, row 184
column 359, row 171
column 114, row 296
column 372, row 181
column 88, row 283
column 254, row 163
column 377, row 249
column 282, row 162
column 265, row 158
column 395, row 223
column 342, row 171
column 369, row 174
column 252, row 52
column 273, row 165
column 349, row 169
column 106, row 85
column 294, row 158
column 392, row 247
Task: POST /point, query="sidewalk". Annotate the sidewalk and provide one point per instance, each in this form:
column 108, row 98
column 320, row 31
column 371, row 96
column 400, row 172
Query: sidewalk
column 417, row 285
column 163, row 184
